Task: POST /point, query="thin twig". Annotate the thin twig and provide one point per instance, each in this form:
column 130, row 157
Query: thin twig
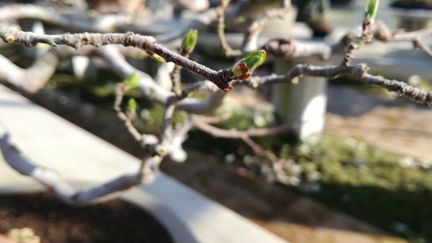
column 176, row 75
column 256, row 27
column 165, row 127
column 202, row 124
column 221, row 34
column 259, row 150
column 419, row 43
column 417, row 37
column 224, row 133
column 119, row 94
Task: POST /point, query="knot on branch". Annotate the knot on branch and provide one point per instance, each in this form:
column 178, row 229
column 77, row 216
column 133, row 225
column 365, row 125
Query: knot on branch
column 129, row 38
column 10, row 37
column 280, row 47
column 225, row 76
column 382, row 33
column 13, row 36
column 359, row 71
column 70, row 39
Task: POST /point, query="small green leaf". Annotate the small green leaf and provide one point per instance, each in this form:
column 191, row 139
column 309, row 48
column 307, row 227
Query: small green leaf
column 132, row 81
column 371, row 10
column 190, row 40
column 244, row 68
column 131, row 106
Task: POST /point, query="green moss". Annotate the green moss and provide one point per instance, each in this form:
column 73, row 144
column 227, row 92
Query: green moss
column 370, row 184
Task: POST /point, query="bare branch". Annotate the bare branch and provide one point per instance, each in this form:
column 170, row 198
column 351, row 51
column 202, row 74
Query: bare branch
column 148, row 43
column 419, row 43
column 357, row 72
column 124, row 117
column 165, row 127
column 77, row 21
column 175, row 142
column 201, row 124
column 417, row 37
column 63, row 189
column 221, row 32
column 32, row 78
column 290, row 48
column 256, row 27
column 250, row 36
column 152, row 90
column 259, row 150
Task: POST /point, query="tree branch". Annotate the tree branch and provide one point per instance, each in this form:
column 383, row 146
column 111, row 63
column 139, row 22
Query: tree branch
column 201, row 124
column 148, row 43
column 290, row 48
column 149, row 88
column 77, row 21
column 63, row 189
column 357, row 72
column 32, row 78
column 221, row 33
column 246, row 135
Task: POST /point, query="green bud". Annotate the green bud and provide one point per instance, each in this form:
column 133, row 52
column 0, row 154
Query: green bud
column 132, row 81
column 158, row 58
column 190, row 40
column 255, row 59
column 244, row 68
column 371, row 10
column 132, row 105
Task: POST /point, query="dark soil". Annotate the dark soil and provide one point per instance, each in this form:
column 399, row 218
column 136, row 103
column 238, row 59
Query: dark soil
column 56, row 222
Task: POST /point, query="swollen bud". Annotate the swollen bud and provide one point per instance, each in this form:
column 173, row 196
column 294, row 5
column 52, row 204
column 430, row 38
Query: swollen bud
column 131, row 106
column 132, row 81
column 371, row 10
column 244, row 68
column 190, row 40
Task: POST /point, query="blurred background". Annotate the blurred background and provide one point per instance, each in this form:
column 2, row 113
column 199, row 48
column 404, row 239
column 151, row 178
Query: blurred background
column 357, row 161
